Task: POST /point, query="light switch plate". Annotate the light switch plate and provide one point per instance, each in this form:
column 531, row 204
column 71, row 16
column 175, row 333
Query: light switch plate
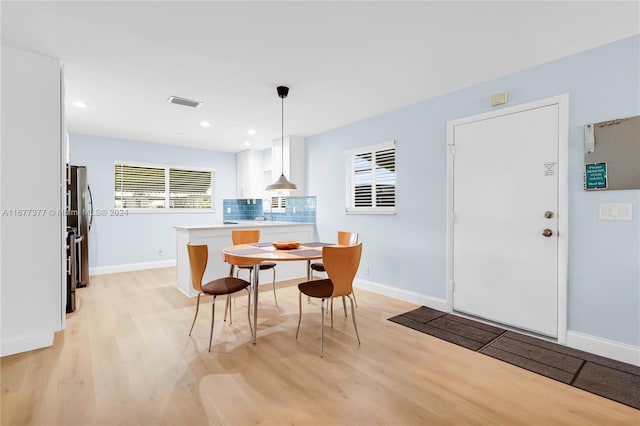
column 620, row 211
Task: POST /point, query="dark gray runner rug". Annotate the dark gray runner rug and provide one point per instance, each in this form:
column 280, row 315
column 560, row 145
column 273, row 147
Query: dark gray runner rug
column 593, row 373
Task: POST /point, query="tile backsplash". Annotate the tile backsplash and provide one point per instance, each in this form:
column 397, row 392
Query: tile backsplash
column 298, row 209
column 241, row 209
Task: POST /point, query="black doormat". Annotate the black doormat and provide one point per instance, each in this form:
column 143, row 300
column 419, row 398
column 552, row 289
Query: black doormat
column 596, row 374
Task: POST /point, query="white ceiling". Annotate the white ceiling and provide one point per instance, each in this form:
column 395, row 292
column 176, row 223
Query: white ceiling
column 344, row 61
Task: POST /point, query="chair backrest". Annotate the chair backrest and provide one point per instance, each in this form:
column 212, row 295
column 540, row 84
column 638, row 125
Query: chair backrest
column 245, row 236
column 198, row 255
column 232, row 259
column 341, row 263
column 347, row 238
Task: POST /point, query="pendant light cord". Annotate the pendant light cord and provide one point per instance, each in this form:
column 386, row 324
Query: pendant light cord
column 282, row 142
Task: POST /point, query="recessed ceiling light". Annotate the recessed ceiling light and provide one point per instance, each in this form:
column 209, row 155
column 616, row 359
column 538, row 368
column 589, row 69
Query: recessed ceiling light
column 80, row 104
column 205, row 124
column 247, row 143
column 251, row 132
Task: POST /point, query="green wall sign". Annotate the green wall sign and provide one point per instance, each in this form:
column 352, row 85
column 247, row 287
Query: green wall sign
column 595, row 176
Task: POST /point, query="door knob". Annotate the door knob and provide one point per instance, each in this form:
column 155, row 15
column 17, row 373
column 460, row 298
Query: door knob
column 547, row 232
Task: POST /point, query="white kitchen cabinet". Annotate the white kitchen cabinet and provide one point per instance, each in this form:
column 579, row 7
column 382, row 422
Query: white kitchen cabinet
column 249, row 174
column 291, row 163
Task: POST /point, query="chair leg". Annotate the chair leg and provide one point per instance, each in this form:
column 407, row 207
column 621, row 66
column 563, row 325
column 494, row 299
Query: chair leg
column 300, row 313
column 196, row 315
column 213, row 313
column 227, row 308
column 237, row 276
column 344, row 306
column 274, row 285
column 321, row 328
column 332, row 312
column 353, row 315
column 249, row 309
column 353, row 293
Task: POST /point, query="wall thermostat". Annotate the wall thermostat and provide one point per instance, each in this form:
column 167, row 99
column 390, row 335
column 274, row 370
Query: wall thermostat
column 589, row 139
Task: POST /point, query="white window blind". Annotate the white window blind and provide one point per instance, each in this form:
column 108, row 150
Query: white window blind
column 162, row 187
column 371, row 186
column 278, row 202
column 139, row 187
column 190, row 189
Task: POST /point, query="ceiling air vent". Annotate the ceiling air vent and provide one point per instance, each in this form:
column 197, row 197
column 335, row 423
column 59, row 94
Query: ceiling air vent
column 182, row 101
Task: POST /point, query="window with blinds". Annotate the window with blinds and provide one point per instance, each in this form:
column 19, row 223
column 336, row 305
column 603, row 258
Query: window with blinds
column 162, row 187
column 372, row 179
column 190, row 189
column 278, row 202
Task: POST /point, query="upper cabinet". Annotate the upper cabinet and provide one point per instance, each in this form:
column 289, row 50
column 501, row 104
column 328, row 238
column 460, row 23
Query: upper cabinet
column 249, row 174
column 291, row 162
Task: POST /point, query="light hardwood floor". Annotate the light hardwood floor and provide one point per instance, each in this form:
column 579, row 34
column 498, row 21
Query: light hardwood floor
column 125, row 359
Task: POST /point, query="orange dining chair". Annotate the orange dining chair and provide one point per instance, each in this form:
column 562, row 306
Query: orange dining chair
column 341, row 264
column 253, row 236
column 198, row 255
column 344, row 239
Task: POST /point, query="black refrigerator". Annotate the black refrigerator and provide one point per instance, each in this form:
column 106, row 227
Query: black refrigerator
column 79, row 221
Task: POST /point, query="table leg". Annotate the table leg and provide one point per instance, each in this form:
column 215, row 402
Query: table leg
column 254, row 289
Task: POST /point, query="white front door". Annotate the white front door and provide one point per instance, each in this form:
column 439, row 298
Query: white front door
column 504, row 224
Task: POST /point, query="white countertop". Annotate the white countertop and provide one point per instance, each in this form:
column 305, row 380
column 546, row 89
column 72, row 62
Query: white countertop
column 242, row 224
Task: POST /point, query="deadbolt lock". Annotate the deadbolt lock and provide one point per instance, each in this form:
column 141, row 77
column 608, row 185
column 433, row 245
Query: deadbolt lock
column 547, row 232
column 548, row 214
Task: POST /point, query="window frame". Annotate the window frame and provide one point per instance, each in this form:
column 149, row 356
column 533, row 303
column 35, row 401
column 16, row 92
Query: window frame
column 350, row 181
column 167, row 190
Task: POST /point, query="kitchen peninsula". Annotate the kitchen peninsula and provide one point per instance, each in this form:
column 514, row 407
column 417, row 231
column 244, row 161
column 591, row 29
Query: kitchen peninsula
column 217, row 237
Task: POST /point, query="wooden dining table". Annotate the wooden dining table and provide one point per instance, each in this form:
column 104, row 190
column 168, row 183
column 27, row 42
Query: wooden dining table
column 265, row 251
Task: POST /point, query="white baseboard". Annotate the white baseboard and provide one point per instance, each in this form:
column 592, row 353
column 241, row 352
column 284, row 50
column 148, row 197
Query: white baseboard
column 595, row 345
column 400, row 294
column 187, row 294
column 607, row 348
column 20, row 344
column 102, row 270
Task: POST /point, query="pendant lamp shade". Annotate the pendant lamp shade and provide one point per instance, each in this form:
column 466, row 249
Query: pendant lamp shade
column 282, row 184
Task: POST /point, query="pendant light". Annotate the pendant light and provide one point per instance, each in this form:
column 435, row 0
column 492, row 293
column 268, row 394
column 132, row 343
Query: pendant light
column 282, row 184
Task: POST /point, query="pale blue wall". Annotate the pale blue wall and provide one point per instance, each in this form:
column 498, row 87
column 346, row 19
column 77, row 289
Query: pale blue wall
column 408, row 250
column 138, row 238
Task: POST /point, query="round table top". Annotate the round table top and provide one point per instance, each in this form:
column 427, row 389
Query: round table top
column 266, row 251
